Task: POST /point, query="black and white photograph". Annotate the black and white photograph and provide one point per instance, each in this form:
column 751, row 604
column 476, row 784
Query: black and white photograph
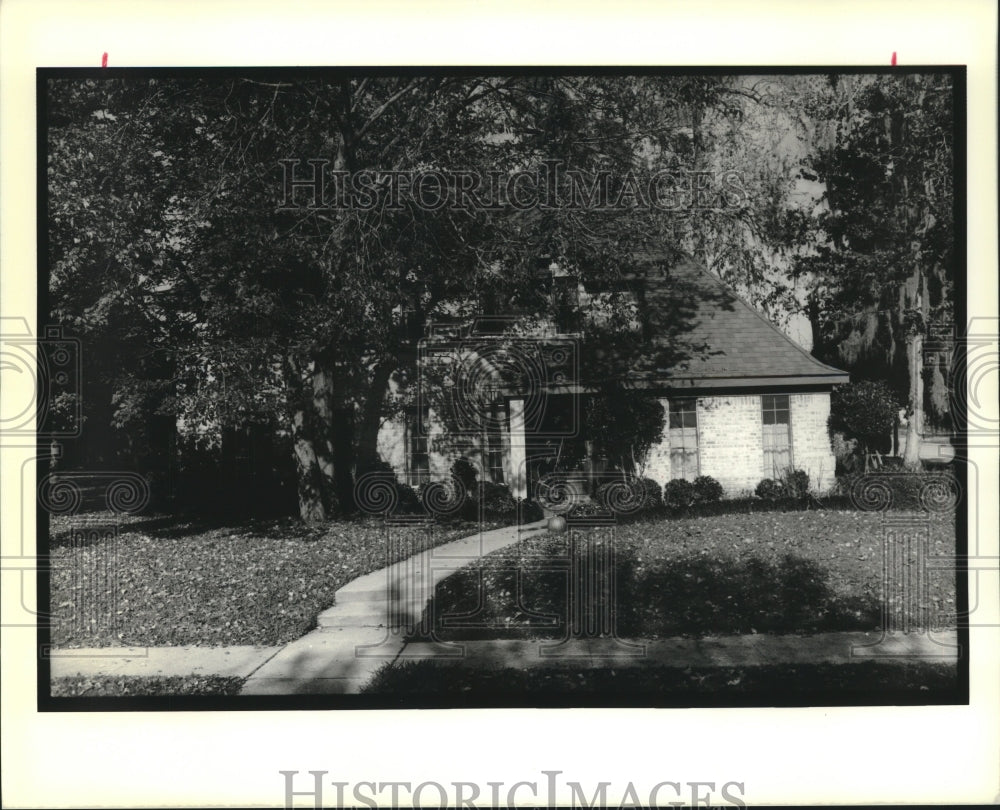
column 450, row 387
column 482, row 405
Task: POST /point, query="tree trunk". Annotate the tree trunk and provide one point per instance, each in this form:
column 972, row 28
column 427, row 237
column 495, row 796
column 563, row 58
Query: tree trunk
column 914, row 426
column 311, row 422
column 917, row 298
column 312, row 508
column 371, row 415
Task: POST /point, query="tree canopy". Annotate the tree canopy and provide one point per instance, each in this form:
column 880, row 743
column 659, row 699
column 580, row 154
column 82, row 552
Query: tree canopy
column 205, row 293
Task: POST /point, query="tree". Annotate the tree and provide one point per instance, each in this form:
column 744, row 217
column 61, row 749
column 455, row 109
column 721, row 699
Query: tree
column 170, row 244
column 625, row 427
column 883, row 269
column 865, row 411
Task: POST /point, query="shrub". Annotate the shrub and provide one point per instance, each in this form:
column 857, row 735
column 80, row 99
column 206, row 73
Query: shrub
column 497, row 502
column 652, row 493
column 531, row 511
column 645, row 490
column 792, row 484
column 589, row 509
column 678, row 494
column 769, row 490
column 407, row 500
column 624, row 427
column 602, row 495
column 894, row 490
column 443, row 501
column 707, row 489
column 795, row 483
column 465, row 472
column 846, row 452
column 865, row 411
column 376, row 466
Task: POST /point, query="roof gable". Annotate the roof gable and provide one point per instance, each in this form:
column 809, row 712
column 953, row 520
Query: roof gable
column 729, row 343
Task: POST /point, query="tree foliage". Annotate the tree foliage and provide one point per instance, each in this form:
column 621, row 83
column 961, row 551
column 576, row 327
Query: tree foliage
column 201, row 297
column 169, row 246
column 866, row 411
column 624, row 425
column 883, row 268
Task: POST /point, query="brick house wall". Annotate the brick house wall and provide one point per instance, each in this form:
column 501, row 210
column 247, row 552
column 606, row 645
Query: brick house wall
column 730, row 442
column 442, row 449
column 811, row 450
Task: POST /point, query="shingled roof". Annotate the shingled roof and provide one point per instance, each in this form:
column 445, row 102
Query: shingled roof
column 730, row 345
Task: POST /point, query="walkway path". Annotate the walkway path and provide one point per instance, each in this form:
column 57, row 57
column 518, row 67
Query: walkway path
column 374, row 615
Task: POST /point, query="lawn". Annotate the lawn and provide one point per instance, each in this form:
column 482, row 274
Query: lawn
column 868, row 682
column 161, row 581
column 769, row 572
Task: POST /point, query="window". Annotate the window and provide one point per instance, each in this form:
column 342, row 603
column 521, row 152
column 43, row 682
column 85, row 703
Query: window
column 418, row 467
column 777, row 434
column 493, row 443
column 684, row 439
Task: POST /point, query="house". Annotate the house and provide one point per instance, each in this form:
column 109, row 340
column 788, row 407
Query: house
column 742, row 401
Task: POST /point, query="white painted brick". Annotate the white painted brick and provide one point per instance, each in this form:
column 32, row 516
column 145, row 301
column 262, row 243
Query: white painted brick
column 811, row 449
column 730, row 442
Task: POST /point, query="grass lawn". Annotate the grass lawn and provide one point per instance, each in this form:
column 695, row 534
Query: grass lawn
column 769, row 572
column 653, row 685
column 117, row 686
column 161, row 581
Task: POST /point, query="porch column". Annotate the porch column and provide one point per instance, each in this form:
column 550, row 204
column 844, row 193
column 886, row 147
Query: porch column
column 518, row 453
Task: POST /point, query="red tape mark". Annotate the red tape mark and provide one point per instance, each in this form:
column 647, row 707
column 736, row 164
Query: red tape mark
column 893, row 58
column 104, row 59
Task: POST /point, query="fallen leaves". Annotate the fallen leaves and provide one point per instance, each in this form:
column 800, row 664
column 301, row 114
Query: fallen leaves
column 772, row 572
column 187, row 585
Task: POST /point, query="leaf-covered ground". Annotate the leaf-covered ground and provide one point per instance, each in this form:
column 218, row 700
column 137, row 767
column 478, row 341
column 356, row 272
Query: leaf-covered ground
column 771, row 572
column 117, row 686
column 158, row 581
column 868, row 682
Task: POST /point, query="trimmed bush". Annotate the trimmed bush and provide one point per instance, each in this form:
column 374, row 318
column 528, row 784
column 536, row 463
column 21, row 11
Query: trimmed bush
column 652, row 493
column 531, row 511
column 407, row 500
column 589, row 509
column 792, row 484
column 769, row 490
column 601, row 496
column 796, row 483
column 497, row 502
column 648, row 491
column 679, row 494
column 707, row 489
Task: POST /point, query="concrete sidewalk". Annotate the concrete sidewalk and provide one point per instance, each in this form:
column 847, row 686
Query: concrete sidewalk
column 163, row 662
column 373, row 616
column 328, row 662
column 371, row 619
column 341, row 661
